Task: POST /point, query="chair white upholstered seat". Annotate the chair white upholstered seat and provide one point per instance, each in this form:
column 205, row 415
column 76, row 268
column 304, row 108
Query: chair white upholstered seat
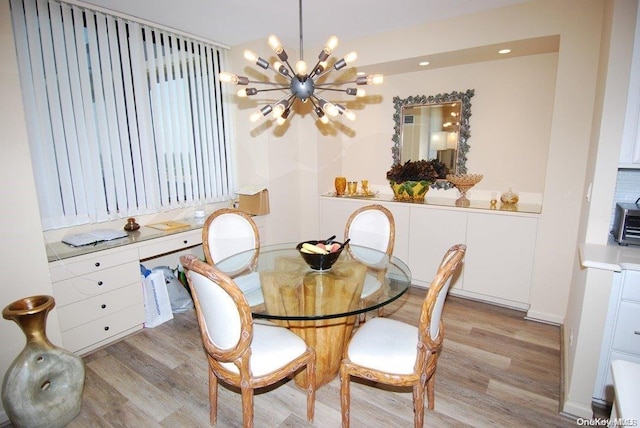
column 395, row 353
column 240, row 352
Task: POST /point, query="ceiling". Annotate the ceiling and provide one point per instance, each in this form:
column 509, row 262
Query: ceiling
column 232, row 22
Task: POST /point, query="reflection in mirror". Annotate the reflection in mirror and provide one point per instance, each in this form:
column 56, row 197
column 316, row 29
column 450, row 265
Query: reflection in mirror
column 433, row 127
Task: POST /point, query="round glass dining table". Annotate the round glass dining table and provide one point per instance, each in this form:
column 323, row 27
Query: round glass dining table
column 319, row 306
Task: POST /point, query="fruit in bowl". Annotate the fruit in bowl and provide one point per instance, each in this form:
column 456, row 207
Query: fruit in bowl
column 320, row 255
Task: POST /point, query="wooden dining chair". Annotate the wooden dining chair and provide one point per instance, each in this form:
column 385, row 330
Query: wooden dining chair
column 241, row 353
column 371, row 227
column 227, row 232
column 395, row 353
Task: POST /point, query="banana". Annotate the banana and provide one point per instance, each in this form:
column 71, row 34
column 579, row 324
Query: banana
column 314, row 249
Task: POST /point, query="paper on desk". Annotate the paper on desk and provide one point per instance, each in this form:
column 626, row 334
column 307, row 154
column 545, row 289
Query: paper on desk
column 93, row 237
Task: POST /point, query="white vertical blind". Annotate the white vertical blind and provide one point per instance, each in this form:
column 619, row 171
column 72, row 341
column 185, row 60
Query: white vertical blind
column 123, row 118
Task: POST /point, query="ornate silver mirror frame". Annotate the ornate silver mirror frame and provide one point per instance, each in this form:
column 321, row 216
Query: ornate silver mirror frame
column 421, row 100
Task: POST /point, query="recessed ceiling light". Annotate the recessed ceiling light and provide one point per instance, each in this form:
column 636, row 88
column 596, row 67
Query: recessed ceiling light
column 360, row 73
column 423, row 63
column 504, row 51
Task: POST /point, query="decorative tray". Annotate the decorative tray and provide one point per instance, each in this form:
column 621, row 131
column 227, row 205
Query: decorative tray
column 356, row 195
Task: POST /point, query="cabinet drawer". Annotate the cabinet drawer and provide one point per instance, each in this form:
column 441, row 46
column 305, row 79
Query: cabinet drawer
column 626, row 337
column 105, row 304
column 170, row 244
column 94, row 262
column 91, row 284
column 103, row 328
column 631, row 285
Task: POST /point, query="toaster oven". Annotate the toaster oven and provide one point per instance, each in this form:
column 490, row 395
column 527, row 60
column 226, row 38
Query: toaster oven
column 626, row 224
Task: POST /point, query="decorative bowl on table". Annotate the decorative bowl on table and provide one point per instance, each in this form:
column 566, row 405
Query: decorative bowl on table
column 463, row 182
column 320, row 255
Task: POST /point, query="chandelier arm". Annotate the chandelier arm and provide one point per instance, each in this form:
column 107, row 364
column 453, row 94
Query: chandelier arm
column 327, row 71
column 260, row 82
column 272, row 89
column 322, row 85
column 327, row 88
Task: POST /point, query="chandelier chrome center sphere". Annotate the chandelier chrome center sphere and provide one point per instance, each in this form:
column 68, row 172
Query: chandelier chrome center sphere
column 303, row 84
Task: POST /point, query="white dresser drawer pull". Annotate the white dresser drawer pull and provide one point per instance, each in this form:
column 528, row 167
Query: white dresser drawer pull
column 185, row 242
column 106, row 328
column 103, row 306
column 97, row 264
column 636, row 332
column 100, row 282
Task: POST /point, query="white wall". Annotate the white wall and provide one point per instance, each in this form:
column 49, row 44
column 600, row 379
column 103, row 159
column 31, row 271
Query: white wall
column 590, row 289
column 23, row 263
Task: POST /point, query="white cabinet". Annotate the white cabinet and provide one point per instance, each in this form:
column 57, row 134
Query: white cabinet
column 98, row 297
column 433, row 232
column 621, row 339
column 498, row 266
column 499, row 259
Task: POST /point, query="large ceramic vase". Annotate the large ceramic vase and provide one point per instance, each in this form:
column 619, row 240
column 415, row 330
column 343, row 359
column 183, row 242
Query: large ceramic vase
column 43, row 385
column 410, row 190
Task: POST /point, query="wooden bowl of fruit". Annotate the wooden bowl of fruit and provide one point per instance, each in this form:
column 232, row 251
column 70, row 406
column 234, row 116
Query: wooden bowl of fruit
column 320, row 255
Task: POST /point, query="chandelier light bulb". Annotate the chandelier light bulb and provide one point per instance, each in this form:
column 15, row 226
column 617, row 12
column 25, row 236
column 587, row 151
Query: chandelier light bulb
column 331, row 44
column 301, row 68
column 349, row 115
column 226, row 77
column 350, row 57
column 375, row 79
column 255, row 116
column 250, row 56
column 360, row 92
column 330, row 109
column 278, row 109
column 242, row 93
column 275, row 44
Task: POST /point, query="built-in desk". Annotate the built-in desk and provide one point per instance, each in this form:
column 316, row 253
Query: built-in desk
column 98, row 288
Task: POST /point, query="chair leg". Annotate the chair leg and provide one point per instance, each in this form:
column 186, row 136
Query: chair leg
column 311, row 387
column 418, row 405
column 345, row 397
column 431, row 382
column 213, row 397
column 247, row 406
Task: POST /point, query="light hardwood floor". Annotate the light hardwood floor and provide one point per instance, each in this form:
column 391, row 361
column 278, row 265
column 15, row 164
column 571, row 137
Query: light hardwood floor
column 496, row 370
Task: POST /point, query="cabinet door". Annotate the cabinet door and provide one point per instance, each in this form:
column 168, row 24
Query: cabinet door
column 499, row 259
column 432, row 233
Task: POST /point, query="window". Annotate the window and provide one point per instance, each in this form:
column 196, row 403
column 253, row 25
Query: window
column 123, row 118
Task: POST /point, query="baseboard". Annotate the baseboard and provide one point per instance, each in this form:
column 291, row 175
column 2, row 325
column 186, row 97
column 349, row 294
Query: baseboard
column 576, row 410
column 544, row 317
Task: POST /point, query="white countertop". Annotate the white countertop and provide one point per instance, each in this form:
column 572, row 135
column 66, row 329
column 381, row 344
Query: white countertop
column 626, row 381
column 612, row 257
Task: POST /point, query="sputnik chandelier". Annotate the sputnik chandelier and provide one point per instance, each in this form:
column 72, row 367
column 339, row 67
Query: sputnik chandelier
column 303, row 84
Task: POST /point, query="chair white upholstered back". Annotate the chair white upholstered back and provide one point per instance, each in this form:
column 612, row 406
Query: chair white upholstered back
column 220, row 312
column 371, row 226
column 227, row 232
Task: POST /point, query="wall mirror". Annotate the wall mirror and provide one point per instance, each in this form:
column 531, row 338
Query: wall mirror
column 433, row 127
